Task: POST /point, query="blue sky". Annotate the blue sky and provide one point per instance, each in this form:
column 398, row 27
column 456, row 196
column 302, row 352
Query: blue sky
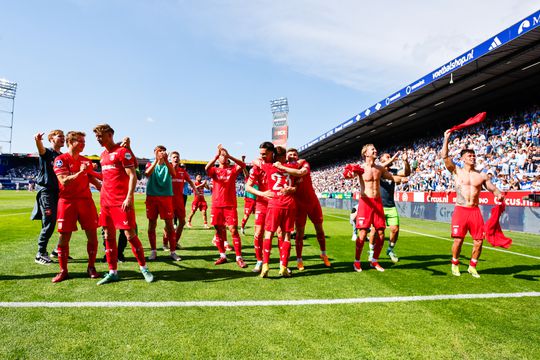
column 193, row 74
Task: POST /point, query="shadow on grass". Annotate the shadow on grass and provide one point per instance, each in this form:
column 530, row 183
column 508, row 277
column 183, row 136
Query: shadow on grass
column 516, row 269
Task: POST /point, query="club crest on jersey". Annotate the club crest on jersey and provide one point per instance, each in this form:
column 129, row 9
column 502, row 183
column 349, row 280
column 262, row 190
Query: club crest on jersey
column 111, row 156
column 58, row 163
column 127, row 156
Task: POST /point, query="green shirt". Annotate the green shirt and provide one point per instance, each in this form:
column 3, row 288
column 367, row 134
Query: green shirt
column 250, row 195
column 160, row 182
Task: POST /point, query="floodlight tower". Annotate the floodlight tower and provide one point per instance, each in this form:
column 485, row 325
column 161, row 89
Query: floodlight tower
column 280, row 127
column 8, row 90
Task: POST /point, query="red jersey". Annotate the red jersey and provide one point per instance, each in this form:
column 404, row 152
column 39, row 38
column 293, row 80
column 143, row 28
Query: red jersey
column 199, row 194
column 258, row 177
column 305, row 193
column 79, row 188
column 179, row 177
column 278, row 180
column 115, row 186
column 224, row 181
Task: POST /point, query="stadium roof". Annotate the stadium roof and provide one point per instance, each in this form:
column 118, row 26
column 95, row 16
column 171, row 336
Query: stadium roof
column 504, row 67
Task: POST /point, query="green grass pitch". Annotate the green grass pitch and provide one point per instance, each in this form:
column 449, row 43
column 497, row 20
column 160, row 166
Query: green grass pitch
column 499, row 328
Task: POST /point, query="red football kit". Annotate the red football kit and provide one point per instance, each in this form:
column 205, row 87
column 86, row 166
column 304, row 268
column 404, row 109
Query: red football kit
column 258, row 177
column 370, row 212
column 307, row 203
column 467, row 219
column 199, row 203
column 75, row 199
column 224, row 195
column 115, row 188
column 281, row 208
column 179, row 177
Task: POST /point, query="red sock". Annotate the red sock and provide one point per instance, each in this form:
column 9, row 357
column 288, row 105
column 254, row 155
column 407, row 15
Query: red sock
column 359, row 247
column 455, row 262
column 111, row 252
column 379, row 242
column 91, row 249
column 279, row 242
column 473, row 263
column 152, row 239
column 172, row 241
column 165, row 238
column 285, row 253
column 322, row 241
column 244, row 221
column 63, row 255
column 137, row 250
column 299, row 246
column 258, row 246
column 220, row 243
column 267, row 248
column 237, row 244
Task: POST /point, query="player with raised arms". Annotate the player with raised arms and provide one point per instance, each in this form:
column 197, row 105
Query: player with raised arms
column 467, row 215
column 224, row 206
column 199, row 203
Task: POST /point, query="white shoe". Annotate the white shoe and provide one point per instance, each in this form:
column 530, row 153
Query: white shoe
column 242, row 231
column 175, row 257
column 153, row 255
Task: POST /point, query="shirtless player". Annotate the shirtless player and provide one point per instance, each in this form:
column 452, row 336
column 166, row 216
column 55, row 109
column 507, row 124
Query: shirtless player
column 467, row 215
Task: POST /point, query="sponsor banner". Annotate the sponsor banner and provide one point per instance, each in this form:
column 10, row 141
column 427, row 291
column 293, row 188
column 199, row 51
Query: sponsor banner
column 280, row 134
column 493, row 43
column 512, row 198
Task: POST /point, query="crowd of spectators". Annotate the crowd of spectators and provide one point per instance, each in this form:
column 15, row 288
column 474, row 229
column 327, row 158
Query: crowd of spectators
column 507, row 149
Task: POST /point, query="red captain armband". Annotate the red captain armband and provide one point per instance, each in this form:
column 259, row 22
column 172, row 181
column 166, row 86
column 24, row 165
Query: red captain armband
column 351, row 170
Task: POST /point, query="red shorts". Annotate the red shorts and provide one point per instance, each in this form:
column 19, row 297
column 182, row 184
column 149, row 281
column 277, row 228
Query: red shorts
column 467, row 219
column 280, row 218
column 179, row 209
column 199, row 205
column 161, row 205
column 115, row 217
column 261, row 207
column 370, row 212
column 313, row 210
column 224, row 216
column 71, row 211
column 249, row 206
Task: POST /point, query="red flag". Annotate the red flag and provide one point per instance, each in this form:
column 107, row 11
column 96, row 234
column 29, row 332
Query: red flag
column 494, row 234
column 474, row 120
column 351, row 170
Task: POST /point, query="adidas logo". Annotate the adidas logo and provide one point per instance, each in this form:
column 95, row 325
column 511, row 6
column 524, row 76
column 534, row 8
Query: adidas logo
column 496, row 43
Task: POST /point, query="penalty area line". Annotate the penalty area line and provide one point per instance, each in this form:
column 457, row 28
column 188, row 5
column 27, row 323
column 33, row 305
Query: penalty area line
column 257, row 303
column 447, row 239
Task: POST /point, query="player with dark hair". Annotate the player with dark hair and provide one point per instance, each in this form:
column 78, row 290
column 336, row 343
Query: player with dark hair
column 307, row 204
column 387, row 195
column 199, row 203
column 179, row 177
column 467, row 215
column 74, row 173
column 281, row 211
column 159, row 200
column 46, row 205
column 224, row 207
column 257, row 184
column 117, row 203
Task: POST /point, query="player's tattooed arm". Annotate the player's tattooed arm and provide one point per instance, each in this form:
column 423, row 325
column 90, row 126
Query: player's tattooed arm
column 460, row 198
column 444, row 153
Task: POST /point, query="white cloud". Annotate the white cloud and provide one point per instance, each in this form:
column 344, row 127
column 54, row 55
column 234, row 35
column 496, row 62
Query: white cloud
column 364, row 45
column 150, row 120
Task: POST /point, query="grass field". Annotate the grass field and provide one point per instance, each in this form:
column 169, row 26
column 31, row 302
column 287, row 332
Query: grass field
column 497, row 328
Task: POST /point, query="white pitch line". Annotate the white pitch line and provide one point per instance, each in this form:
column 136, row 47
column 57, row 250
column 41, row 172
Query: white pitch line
column 14, row 214
column 257, row 303
column 447, row 239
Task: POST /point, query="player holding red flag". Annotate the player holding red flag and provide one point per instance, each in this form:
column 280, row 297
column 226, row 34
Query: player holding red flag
column 117, row 211
column 224, row 207
column 467, row 215
column 75, row 203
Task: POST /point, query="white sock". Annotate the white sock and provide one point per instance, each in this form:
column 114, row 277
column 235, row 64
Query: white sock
column 223, row 255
